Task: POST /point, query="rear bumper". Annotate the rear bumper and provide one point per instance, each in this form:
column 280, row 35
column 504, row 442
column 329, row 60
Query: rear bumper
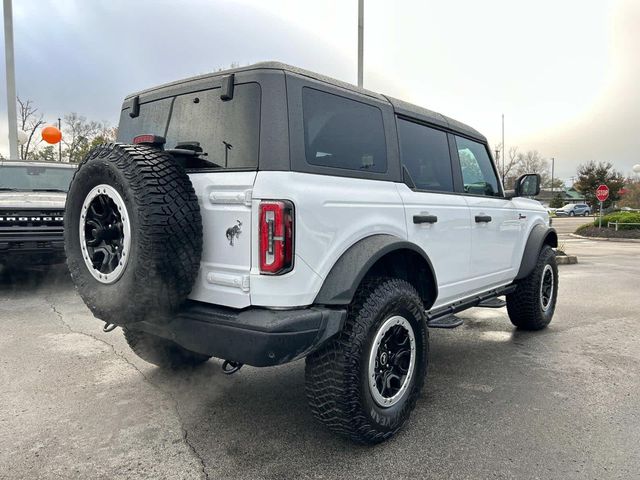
column 254, row 336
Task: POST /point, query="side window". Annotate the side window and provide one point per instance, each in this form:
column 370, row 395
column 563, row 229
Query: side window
column 478, row 175
column 342, row 133
column 425, row 154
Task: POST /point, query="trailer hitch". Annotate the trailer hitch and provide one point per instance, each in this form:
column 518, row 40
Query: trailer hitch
column 229, row 367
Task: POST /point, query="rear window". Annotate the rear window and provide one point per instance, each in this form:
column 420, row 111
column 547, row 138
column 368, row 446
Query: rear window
column 228, row 131
column 343, row 133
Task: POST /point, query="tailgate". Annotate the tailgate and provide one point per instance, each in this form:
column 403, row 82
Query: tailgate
column 225, row 206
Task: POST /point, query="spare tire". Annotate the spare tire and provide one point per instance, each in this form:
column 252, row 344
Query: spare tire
column 133, row 233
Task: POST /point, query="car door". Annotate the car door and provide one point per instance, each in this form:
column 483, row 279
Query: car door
column 496, row 225
column 437, row 218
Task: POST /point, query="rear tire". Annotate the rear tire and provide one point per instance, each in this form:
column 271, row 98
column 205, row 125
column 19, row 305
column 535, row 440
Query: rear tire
column 160, row 351
column 532, row 304
column 133, row 233
column 385, row 330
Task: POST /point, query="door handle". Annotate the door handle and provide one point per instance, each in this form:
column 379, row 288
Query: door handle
column 425, row 219
column 483, row 218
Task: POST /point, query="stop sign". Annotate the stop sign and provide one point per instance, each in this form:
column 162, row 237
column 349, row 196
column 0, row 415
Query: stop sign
column 602, row 193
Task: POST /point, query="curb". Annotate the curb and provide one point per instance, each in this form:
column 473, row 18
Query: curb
column 606, row 239
column 566, row 259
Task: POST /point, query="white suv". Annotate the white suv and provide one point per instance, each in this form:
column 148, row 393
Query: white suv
column 265, row 214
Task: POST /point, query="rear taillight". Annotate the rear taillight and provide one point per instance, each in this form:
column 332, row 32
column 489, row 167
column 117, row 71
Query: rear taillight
column 146, row 139
column 276, row 237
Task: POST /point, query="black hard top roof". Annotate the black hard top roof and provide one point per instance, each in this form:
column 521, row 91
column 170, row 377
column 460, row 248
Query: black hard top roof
column 401, row 107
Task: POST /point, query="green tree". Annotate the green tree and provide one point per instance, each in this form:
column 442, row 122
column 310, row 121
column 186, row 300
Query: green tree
column 556, row 201
column 592, row 174
column 46, row 154
column 631, row 197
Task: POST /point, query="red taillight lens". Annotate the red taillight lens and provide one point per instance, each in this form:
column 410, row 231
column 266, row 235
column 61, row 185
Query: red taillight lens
column 276, row 237
column 149, row 140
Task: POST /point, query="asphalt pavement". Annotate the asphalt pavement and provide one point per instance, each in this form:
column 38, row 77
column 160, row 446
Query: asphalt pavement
column 563, row 403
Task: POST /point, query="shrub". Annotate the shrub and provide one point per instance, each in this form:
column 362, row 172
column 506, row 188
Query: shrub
column 622, row 217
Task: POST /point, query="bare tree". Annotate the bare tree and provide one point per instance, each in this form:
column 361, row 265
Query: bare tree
column 78, row 133
column 28, row 121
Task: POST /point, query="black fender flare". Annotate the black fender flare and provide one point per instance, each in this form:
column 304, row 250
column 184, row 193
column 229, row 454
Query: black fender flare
column 540, row 235
column 347, row 273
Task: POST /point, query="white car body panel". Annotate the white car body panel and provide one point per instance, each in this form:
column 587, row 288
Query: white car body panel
column 447, row 242
column 332, row 214
column 32, row 200
column 225, row 200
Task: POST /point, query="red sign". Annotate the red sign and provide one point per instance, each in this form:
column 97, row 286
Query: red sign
column 602, row 193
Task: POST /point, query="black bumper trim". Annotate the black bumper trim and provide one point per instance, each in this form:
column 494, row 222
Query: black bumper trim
column 254, row 336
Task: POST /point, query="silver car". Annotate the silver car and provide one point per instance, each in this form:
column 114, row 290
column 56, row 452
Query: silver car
column 574, row 209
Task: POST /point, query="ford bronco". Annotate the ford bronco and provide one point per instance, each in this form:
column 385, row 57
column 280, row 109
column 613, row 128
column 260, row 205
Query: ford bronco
column 265, row 214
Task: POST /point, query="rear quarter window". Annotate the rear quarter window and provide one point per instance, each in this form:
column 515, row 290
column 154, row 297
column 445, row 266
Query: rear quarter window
column 343, row 133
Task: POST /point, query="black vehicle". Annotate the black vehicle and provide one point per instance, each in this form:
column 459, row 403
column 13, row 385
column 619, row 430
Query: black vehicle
column 32, row 196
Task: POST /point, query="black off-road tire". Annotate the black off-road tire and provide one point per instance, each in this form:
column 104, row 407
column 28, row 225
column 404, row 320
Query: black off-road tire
column 524, row 305
column 166, row 233
column 160, row 351
column 337, row 374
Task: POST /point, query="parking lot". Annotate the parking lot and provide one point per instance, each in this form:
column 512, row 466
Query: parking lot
column 499, row 403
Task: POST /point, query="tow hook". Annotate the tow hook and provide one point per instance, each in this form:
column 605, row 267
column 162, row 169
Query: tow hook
column 109, row 327
column 229, row 367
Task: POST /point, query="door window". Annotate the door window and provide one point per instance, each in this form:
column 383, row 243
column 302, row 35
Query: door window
column 425, row 154
column 478, row 175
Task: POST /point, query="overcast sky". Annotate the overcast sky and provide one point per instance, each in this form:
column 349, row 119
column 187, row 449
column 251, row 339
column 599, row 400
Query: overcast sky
column 566, row 73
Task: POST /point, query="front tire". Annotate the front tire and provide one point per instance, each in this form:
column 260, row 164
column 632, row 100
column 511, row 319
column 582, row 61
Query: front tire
column 364, row 383
column 160, row 351
column 532, row 304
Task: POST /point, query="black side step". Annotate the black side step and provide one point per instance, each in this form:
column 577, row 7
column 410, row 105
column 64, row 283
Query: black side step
column 494, row 302
column 459, row 306
column 450, row 321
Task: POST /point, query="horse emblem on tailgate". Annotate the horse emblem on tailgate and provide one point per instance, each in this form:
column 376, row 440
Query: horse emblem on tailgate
column 234, row 232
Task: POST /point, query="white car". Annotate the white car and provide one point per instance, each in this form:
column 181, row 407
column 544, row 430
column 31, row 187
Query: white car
column 32, row 196
column 265, row 214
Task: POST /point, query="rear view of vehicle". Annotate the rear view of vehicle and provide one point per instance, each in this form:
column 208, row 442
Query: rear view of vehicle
column 266, row 214
column 32, row 197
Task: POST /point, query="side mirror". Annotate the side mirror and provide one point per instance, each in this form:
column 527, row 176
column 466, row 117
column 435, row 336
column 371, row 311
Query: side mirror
column 528, row 185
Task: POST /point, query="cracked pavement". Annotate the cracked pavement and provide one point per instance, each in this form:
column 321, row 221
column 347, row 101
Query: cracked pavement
column 77, row 403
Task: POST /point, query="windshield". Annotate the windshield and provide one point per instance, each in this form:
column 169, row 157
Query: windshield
column 34, row 178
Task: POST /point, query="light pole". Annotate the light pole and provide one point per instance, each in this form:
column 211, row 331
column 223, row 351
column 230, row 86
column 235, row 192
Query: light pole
column 11, row 80
column 553, row 164
column 503, row 149
column 59, row 143
column 360, row 41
